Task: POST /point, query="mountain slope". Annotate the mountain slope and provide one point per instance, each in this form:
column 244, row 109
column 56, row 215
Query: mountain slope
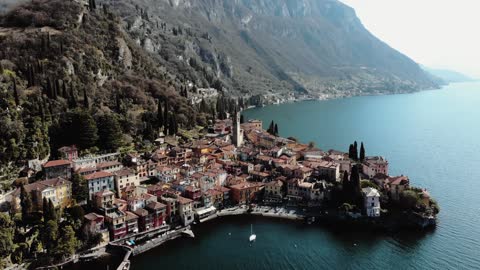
column 61, row 63
column 271, row 46
column 449, row 76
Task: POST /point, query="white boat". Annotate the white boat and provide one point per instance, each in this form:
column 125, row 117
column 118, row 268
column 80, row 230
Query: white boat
column 252, row 237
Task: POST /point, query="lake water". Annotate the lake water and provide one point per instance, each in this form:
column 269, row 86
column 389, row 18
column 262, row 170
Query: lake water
column 431, row 136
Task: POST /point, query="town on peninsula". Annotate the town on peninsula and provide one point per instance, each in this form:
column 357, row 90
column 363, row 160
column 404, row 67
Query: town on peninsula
column 135, row 201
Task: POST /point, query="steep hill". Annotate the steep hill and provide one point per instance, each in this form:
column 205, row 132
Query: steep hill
column 270, row 46
column 69, row 74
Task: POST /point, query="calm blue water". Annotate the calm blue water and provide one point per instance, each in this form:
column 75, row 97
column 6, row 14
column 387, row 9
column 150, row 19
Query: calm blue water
column 432, row 136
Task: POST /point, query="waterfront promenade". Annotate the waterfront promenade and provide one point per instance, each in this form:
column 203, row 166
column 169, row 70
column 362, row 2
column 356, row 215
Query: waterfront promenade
column 265, row 211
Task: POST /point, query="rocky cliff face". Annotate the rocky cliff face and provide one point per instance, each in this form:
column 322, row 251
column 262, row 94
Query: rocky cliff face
column 267, row 47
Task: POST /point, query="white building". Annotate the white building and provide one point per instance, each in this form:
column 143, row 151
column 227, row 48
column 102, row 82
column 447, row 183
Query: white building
column 371, row 198
column 185, row 210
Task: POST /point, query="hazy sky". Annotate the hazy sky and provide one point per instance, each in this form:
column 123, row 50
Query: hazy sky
column 436, row 33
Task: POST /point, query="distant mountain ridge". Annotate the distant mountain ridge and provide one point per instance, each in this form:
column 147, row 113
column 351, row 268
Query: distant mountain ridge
column 449, row 76
column 270, row 46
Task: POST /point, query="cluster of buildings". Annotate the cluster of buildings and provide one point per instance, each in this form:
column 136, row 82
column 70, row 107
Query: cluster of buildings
column 233, row 165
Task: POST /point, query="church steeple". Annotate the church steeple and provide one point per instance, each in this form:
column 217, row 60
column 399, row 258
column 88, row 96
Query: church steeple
column 237, row 132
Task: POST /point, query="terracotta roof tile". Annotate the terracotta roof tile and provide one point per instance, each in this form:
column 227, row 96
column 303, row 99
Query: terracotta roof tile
column 55, row 163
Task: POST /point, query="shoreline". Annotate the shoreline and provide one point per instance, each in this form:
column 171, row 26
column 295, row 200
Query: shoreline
column 278, row 100
column 329, row 222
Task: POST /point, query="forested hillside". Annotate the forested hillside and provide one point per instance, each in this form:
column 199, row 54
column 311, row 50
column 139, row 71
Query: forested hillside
column 70, row 75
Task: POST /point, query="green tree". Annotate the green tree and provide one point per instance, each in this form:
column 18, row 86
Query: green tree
column 6, row 235
column 368, row 183
column 355, row 181
column 86, row 129
column 171, row 126
column 271, row 128
column 50, row 235
column 17, row 255
column 362, row 152
column 79, row 188
column 95, row 239
column 165, row 112
column 86, row 104
column 36, row 246
column 76, row 214
column 160, row 119
column 242, row 119
column 15, row 92
column 46, row 211
column 350, row 151
column 109, row 132
column 67, row 242
column 275, row 130
column 408, row 199
column 72, row 99
column 26, row 204
column 51, row 211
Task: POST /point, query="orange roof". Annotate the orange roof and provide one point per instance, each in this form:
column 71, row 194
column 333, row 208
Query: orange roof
column 213, row 192
column 97, row 175
column 183, row 200
column 55, row 163
column 124, row 172
column 222, row 189
column 246, row 185
column 130, row 216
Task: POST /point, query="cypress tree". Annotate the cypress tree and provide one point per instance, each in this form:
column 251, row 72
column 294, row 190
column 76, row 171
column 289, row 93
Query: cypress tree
column 86, row 104
column 214, row 114
column 42, row 113
column 355, row 150
column 15, row 92
column 46, row 215
column 57, row 88
column 26, row 203
column 48, row 40
column 271, row 127
column 362, row 152
column 49, row 88
column 159, row 115
column 64, row 91
column 51, row 211
column 165, row 113
column 242, row 119
column 175, row 124
column 117, row 102
column 72, row 99
column 350, row 151
column 54, row 90
column 355, row 181
column 346, row 185
column 166, row 126
column 275, row 130
column 171, row 126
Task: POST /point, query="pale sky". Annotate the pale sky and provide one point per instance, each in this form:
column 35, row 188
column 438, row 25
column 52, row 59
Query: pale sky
column 436, row 33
